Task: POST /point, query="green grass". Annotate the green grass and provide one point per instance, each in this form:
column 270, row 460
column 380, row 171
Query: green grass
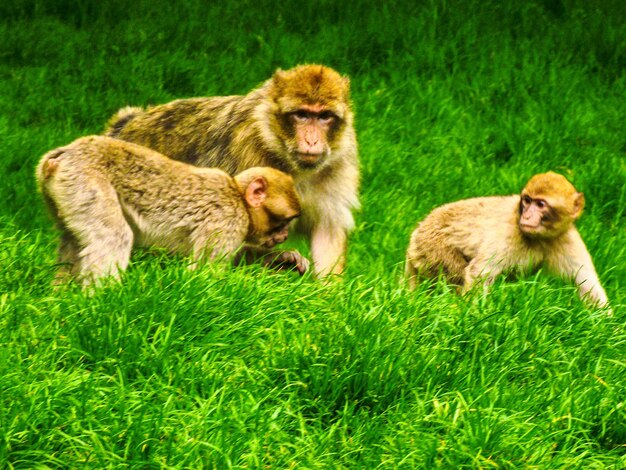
column 251, row 369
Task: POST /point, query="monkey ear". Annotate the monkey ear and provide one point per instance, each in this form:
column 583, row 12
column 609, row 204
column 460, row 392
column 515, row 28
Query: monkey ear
column 346, row 84
column 278, row 79
column 579, row 205
column 256, row 192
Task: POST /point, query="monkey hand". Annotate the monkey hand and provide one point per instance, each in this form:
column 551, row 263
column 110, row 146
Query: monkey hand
column 289, row 259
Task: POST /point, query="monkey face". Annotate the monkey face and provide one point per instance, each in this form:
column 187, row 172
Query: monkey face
column 272, row 202
column 311, row 128
column 537, row 217
column 549, row 204
column 270, row 228
column 312, row 106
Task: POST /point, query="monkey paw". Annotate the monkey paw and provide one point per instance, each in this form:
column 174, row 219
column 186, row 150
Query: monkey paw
column 291, row 259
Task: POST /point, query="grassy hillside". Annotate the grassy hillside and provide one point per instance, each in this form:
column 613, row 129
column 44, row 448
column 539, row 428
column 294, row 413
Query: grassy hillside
column 251, row 369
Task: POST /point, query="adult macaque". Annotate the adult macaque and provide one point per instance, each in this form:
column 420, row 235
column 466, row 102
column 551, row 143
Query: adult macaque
column 108, row 195
column 478, row 239
column 299, row 121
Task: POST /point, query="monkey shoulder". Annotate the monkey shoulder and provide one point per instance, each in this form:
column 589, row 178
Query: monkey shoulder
column 569, row 246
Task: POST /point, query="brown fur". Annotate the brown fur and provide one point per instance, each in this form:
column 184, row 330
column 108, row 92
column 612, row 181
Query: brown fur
column 261, row 129
column 480, row 238
column 108, row 195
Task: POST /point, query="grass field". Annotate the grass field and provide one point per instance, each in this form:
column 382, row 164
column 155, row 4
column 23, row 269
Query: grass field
column 249, row 369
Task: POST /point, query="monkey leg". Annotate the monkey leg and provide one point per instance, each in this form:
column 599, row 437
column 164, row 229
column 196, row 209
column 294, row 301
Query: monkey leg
column 410, row 274
column 328, row 246
column 416, row 263
column 479, row 270
column 67, row 258
column 107, row 253
column 96, row 221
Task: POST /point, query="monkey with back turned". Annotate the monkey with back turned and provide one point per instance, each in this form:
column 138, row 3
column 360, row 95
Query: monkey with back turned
column 108, row 195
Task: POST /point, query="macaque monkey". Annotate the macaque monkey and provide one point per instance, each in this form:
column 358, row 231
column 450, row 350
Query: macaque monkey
column 108, row 195
column 480, row 238
column 300, row 121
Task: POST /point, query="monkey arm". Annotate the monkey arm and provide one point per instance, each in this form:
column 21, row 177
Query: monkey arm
column 285, row 259
column 573, row 261
column 589, row 285
column 328, row 247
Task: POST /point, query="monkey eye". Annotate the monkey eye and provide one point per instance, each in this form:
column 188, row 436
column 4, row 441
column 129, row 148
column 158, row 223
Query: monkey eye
column 526, row 200
column 279, row 222
column 300, row 115
column 279, row 227
column 541, row 204
column 282, row 222
column 326, row 117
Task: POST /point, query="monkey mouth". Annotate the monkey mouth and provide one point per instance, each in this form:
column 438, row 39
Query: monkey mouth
column 309, row 160
column 530, row 228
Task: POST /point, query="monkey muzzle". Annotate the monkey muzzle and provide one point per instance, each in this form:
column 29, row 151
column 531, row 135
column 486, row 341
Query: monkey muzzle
column 532, row 230
column 310, row 160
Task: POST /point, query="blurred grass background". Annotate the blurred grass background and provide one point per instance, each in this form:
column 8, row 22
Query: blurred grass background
column 249, row 369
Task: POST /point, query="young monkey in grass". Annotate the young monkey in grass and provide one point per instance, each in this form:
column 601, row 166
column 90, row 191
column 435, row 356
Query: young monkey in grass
column 480, row 238
column 108, row 196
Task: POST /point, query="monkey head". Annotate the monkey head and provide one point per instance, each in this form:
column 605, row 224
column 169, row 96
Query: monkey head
column 272, row 202
column 310, row 111
column 549, row 204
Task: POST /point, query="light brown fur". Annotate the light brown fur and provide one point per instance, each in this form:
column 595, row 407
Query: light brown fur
column 260, row 129
column 108, row 195
column 480, row 238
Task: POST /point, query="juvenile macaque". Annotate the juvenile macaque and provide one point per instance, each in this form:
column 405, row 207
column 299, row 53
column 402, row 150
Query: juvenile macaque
column 478, row 239
column 108, row 195
column 299, row 121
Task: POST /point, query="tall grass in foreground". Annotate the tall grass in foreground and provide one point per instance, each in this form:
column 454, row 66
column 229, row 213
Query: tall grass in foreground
column 247, row 368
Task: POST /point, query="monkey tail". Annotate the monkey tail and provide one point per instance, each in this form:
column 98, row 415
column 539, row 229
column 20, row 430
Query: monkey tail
column 48, row 164
column 120, row 119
